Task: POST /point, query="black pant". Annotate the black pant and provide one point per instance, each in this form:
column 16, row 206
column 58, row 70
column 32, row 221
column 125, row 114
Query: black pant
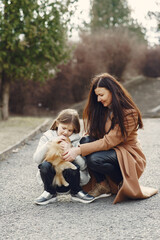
column 103, row 163
column 47, row 173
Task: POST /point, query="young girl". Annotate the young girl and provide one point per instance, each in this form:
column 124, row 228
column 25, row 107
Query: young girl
column 65, row 125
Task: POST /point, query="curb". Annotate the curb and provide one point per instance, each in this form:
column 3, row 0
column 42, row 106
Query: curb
column 26, row 138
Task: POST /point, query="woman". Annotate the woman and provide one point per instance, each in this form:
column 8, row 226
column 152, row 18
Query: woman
column 111, row 120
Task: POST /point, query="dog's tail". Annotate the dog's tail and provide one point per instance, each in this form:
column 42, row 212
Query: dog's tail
column 60, row 180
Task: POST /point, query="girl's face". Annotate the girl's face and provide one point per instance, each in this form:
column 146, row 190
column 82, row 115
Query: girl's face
column 104, row 96
column 65, row 129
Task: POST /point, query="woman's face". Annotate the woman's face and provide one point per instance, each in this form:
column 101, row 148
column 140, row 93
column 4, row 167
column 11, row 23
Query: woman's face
column 104, row 96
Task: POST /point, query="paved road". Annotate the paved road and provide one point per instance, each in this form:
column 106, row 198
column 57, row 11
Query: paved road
column 21, row 219
column 146, row 95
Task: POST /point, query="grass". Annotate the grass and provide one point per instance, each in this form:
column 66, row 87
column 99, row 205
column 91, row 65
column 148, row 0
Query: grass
column 16, row 128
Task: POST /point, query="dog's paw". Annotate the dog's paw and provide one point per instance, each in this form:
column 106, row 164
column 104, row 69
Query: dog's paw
column 74, row 167
column 66, row 184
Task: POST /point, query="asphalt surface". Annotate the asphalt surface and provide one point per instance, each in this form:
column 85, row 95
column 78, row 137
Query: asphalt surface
column 146, row 94
column 133, row 219
column 21, row 219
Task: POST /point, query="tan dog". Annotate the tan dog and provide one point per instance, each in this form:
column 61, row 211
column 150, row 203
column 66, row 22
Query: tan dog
column 54, row 156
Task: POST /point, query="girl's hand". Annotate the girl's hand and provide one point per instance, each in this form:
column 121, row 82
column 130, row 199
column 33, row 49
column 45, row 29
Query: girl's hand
column 65, row 146
column 85, row 134
column 59, row 138
column 71, row 154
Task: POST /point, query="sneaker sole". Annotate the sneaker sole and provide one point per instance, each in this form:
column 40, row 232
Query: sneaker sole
column 63, row 193
column 103, row 195
column 74, row 199
column 46, row 202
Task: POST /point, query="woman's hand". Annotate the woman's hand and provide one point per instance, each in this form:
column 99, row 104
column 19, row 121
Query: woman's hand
column 71, row 154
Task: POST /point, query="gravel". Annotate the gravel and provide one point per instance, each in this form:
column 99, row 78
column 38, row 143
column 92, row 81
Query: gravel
column 132, row 219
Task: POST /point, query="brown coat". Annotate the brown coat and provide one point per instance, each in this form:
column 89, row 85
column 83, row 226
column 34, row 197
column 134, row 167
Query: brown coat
column 130, row 157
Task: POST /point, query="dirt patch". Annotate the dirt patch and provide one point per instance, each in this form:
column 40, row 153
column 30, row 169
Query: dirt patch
column 16, row 128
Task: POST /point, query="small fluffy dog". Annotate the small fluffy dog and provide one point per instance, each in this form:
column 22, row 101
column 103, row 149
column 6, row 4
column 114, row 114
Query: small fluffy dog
column 54, row 156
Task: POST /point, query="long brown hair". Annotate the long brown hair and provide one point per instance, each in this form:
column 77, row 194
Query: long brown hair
column 67, row 116
column 95, row 114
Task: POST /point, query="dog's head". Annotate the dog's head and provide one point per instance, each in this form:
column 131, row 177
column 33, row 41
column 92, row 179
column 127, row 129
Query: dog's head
column 54, row 151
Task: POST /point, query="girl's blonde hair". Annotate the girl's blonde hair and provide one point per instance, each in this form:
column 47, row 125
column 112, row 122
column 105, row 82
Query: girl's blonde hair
column 67, row 116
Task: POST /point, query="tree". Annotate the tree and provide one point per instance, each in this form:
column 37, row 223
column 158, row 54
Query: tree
column 33, row 36
column 106, row 14
column 137, row 30
column 156, row 15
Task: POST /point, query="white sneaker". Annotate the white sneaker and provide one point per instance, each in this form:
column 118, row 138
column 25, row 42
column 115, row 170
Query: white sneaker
column 82, row 197
column 46, row 198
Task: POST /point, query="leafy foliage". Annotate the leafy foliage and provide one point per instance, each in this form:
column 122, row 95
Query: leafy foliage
column 33, row 37
column 106, row 14
column 156, row 15
column 109, row 13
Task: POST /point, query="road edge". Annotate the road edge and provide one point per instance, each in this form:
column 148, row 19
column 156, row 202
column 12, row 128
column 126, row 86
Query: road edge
column 42, row 127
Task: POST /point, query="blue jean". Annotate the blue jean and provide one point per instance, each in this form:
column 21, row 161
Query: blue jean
column 47, row 173
column 103, row 163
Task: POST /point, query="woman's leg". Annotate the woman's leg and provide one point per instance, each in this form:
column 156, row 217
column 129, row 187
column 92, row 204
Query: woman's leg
column 47, row 173
column 103, row 163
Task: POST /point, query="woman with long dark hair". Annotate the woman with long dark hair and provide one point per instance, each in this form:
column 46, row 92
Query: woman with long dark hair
column 113, row 153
